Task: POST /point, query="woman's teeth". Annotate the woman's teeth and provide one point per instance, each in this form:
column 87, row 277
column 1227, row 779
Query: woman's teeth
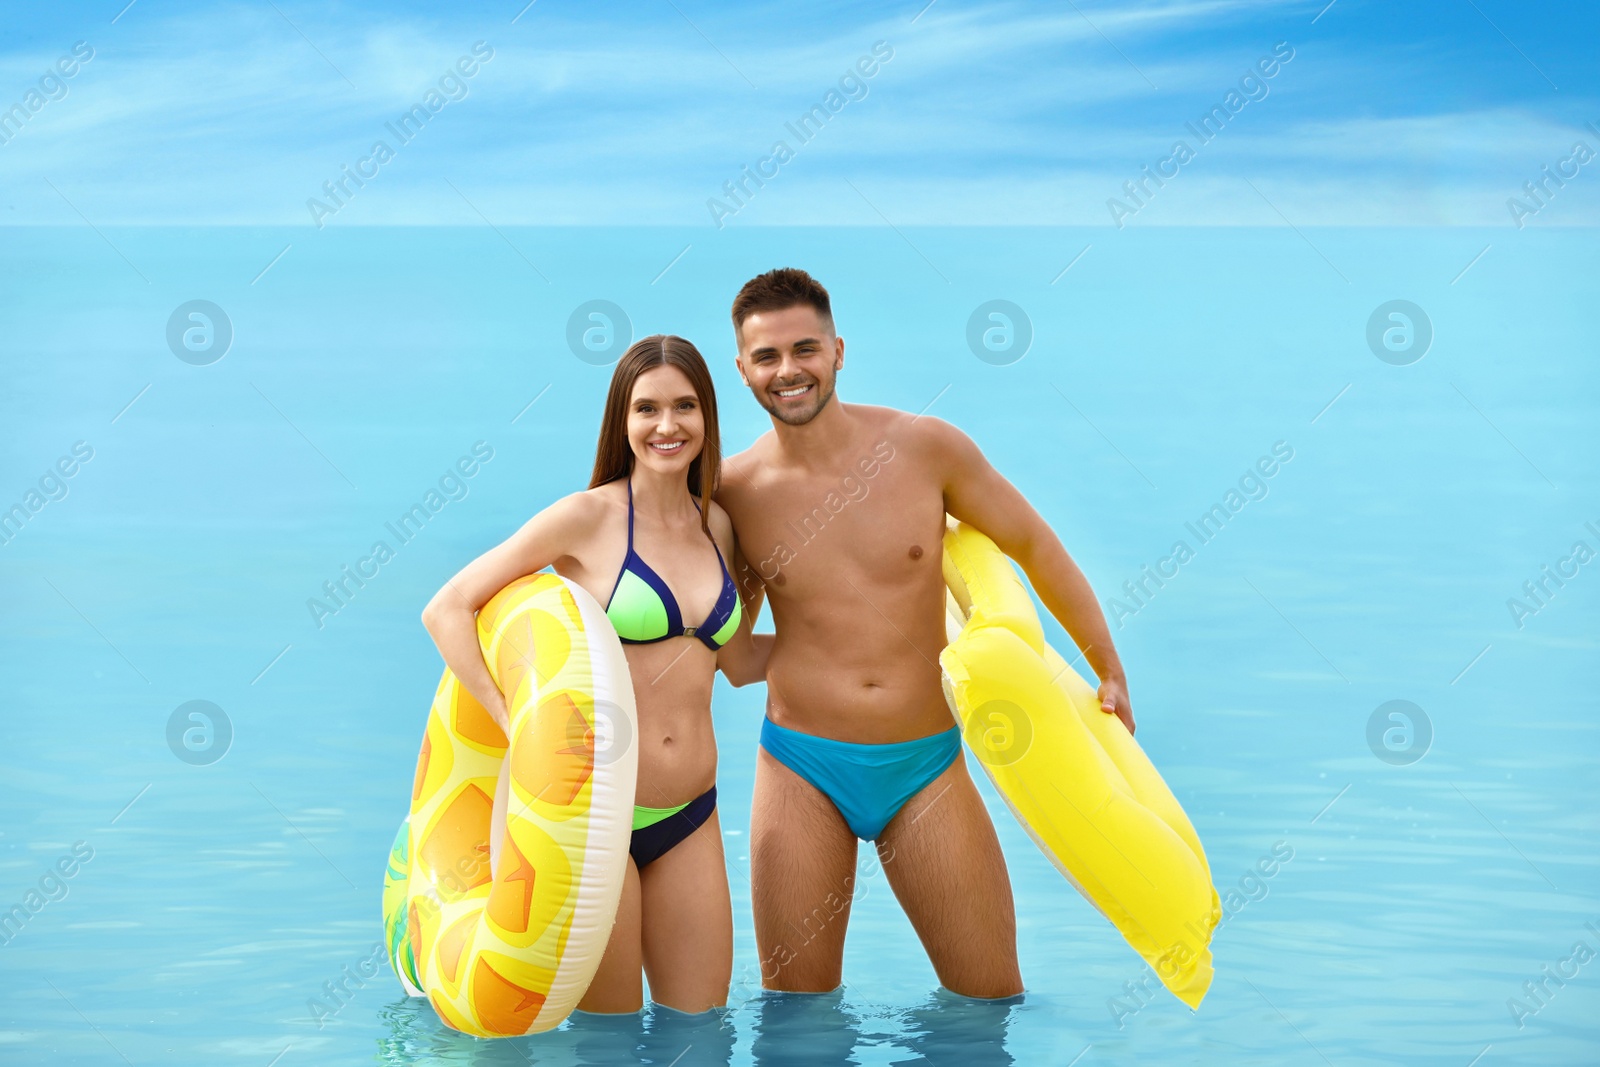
column 666, row 447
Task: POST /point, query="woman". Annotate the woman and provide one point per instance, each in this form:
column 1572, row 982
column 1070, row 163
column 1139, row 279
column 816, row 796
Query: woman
column 636, row 539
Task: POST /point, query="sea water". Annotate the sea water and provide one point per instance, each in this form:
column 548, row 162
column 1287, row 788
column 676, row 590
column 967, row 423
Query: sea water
column 1370, row 672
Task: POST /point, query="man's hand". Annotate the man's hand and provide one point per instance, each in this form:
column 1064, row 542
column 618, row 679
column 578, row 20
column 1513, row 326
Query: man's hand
column 976, row 493
column 1114, row 701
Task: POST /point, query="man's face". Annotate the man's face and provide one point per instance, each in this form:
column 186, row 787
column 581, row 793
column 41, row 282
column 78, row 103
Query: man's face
column 789, row 359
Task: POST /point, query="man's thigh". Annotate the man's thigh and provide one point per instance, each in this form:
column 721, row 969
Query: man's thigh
column 802, row 872
column 944, row 863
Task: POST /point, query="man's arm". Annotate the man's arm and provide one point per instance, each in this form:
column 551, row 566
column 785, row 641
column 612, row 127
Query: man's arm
column 976, row 493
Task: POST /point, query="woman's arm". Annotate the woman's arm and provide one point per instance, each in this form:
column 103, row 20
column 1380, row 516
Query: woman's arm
column 744, row 658
column 451, row 616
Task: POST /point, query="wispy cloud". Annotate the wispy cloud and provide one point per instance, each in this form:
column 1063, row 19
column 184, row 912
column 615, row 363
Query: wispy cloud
column 996, row 113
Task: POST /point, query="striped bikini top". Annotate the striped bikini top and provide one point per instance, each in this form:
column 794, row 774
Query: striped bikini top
column 643, row 610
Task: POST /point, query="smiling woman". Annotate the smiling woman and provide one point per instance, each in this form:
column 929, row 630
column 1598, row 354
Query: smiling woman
column 634, row 543
column 614, row 455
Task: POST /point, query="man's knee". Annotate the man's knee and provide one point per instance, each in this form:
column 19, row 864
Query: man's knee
column 979, row 963
column 796, row 979
column 785, row 969
column 986, row 987
column 790, row 981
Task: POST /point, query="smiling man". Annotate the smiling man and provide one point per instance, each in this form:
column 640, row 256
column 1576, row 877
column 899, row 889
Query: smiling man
column 840, row 516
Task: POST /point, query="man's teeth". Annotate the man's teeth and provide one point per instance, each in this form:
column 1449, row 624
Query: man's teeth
column 786, row 393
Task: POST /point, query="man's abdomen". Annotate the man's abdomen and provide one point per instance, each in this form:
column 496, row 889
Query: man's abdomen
column 867, row 685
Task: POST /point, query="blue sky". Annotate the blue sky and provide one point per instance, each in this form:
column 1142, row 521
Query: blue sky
column 1430, row 113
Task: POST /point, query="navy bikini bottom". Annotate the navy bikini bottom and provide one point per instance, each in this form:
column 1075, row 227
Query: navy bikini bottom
column 652, row 841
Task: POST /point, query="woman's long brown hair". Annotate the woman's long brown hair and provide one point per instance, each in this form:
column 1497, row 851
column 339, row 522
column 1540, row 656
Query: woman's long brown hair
column 613, row 456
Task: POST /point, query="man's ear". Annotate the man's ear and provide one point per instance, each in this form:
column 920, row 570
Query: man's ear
column 838, row 353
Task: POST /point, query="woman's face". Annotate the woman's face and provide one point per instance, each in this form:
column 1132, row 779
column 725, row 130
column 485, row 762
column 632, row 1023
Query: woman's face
column 666, row 426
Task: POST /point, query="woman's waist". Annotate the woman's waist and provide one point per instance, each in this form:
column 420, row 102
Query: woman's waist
column 677, row 748
column 669, row 777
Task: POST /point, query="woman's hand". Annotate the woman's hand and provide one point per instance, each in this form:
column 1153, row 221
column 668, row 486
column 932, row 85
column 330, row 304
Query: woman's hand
column 501, row 713
column 762, row 646
column 1114, row 701
column 744, row 658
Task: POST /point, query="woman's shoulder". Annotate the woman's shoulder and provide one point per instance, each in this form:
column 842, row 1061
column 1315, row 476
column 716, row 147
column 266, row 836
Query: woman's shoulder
column 585, row 508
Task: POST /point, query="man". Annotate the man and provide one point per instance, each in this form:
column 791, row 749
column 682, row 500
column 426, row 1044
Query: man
column 840, row 515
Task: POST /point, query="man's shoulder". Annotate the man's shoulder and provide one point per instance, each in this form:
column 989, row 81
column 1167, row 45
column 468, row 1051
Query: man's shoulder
column 921, row 431
column 739, row 469
column 751, row 456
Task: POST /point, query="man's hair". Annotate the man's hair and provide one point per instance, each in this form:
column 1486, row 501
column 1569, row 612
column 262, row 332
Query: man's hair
column 775, row 290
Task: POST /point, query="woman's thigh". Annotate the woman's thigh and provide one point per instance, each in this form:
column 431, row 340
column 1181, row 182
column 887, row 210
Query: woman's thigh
column 617, row 986
column 687, row 922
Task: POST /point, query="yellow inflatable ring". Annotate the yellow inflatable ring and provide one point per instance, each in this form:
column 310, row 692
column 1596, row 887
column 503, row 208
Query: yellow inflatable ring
column 504, row 939
column 1074, row 777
